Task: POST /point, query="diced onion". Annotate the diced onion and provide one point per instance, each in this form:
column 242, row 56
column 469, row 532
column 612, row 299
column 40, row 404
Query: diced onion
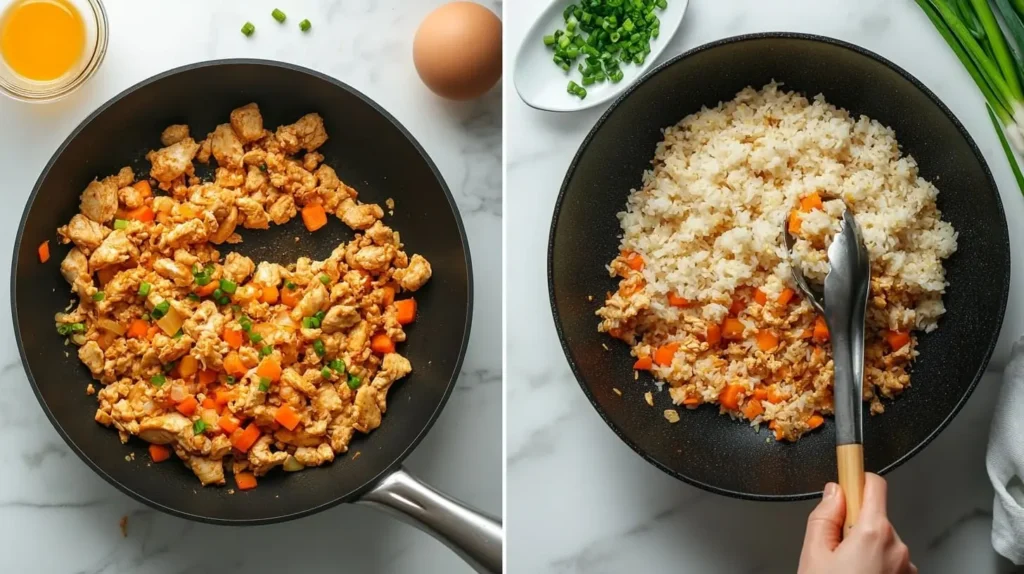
column 178, row 393
column 284, row 319
column 171, row 322
column 292, row 465
column 79, row 339
column 209, row 417
column 111, row 325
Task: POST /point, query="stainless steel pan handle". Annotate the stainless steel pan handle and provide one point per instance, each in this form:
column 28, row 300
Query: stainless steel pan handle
column 473, row 535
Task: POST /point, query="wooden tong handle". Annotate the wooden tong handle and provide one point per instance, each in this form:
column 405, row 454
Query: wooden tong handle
column 851, row 479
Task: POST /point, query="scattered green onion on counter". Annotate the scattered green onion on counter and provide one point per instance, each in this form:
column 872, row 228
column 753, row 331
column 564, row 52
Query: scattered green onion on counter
column 248, row 28
column 278, row 15
column 305, row 25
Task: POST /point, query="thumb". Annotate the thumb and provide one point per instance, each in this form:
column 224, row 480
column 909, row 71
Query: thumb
column 825, row 524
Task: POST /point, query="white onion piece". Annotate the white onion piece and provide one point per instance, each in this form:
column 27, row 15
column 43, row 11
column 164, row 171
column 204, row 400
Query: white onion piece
column 178, row 393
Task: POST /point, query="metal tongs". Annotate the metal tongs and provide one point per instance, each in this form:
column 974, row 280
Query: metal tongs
column 843, row 302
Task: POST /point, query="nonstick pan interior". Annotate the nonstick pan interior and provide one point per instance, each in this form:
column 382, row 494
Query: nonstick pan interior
column 372, row 153
column 712, row 451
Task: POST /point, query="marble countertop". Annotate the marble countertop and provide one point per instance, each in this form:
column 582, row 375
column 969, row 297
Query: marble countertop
column 56, row 516
column 579, row 499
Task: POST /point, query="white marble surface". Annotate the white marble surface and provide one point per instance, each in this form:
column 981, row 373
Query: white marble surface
column 579, row 500
column 56, row 516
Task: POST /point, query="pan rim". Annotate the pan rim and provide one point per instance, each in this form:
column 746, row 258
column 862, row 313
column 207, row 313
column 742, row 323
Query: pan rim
column 353, row 494
column 570, row 172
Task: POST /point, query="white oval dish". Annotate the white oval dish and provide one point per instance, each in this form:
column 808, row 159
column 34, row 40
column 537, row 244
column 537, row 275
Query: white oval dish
column 542, row 85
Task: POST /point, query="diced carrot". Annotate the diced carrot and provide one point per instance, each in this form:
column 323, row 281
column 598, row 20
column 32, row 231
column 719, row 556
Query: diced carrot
column 820, row 330
column 677, row 301
column 664, row 355
column 314, row 216
column 406, row 311
column 187, row 366
column 159, row 452
column 208, row 289
column 389, row 294
column 245, row 480
column 152, row 332
column 234, row 366
column 691, row 402
column 634, row 260
column 227, row 423
column 270, row 295
column 794, row 222
column 286, row 417
column 207, row 376
column 812, row 201
column 186, row 210
column 209, row 403
column 233, row 337
column 713, row 334
column 381, row 343
column 779, row 435
column 752, row 409
column 766, row 340
column 188, row 406
column 290, row 297
column 760, row 393
column 775, row 396
column 269, row 368
column 760, row 297
column 143, row 213
column 44, row 251
column 616, row 333
column 137, row 329
column 807, row 333
column 223, row 396
column 143, row 187
column 730, row 396
column 103, row 276
column 643, row 364
column 785, row 297
column 815, row 421
column 737, row 305
column 732, row 328
column 244, row 440
column 897, row 339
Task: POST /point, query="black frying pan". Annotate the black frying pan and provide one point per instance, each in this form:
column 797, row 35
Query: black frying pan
column 372, row 152
column 712, row 451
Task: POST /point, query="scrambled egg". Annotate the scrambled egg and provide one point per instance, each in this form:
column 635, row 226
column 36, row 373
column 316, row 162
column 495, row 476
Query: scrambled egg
column 221, row 359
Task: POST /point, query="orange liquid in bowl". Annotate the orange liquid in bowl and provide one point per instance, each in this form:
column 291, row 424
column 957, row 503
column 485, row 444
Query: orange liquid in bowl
column 42, row 40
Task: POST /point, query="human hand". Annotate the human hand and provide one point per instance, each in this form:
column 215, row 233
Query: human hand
column 872, row 547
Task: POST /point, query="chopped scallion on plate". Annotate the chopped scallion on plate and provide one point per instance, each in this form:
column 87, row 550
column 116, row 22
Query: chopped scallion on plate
column 161, row 309
column 248, row 28
column 305, row 25
column 278, row 15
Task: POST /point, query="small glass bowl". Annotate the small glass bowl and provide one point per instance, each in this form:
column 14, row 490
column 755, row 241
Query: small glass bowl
column 95, row 19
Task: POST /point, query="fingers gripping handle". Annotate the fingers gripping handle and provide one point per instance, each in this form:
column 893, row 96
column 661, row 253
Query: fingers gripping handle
column 851, row 479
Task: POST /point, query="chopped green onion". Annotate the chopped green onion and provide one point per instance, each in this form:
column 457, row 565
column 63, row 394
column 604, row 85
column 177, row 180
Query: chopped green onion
column 289, row 285
column 224, row 301
column 98, row 296
column 161, row 309
column 179, row 334
column 278, row 15
column 63, row 329
column 266, row 351
column 145, row 316
column 264, row 384
column 305, row 25
column 158, row 380
column 230, row 379
column 255, row 337
column 144, row 289
column 325, row 279
column 218, row 294
column 320, row 316
column 202, row 280
column 120, row 224
column 549, row 40
column 193, row 296
column 315, row 322
column 248, row 29
column 228, row 286
column 338, row 365
column 198, row 427
column 236, row 308
column 169, row 367
column 318, row 347
column 78, row 327
column 325, row 373
column 307, row 322
column 353, row 382
column 245, row 323
column 263, row 167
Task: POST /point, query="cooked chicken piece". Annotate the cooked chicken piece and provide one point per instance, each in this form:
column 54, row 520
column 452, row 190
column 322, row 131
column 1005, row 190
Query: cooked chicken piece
column 171, row 162
column 282, row 210
column 327, row 400
column 237, row 267
column 205, row 319
column 328, row 178
column 164, row 429
column 311, row 160
column 314, row 299
column 75, row 266
column 187, row 233
column 297, row 438
column 267, row 274
column 381, row 234
column 367, row 414
column 205, row 151
column 309, row 456
column 176, row 272
column 255, row 180
column 173, row 134
column 297, row 182
column 358, row 337
column 185, row 257
column 247, row 122
column 261, row 459
column 229, row 177
column 226, row 147
column 393, row 367
column 308, row 133
column 415, row 275
column 208, row 471
column 99, row 200
column 92, row 355
column 226, row 227
column 255, row 216
column 374, row 258
column 220, row 446
column 84, row 232
column 359, row 216
column 115, row 249
column 170, row 349
column 341, row 430
column 298, row 382
column 338, row 318
column 131, row 197
column 125, row 176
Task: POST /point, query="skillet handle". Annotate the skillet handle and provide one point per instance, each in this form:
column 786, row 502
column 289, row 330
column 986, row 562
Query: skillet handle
column 851, row 479
column 476, row 537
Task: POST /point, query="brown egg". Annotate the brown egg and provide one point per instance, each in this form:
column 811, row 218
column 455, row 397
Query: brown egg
column 457, row 50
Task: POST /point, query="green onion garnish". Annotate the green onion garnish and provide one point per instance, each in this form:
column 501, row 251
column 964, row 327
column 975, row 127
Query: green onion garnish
column 314, row 322
column 144, row 289
column 158, row 380
column 218, row 294
column 161, row 309
column 255, row 337
column 145, row 316
column 179, row 334
column 305, row 25
column 325, row 279
column 319, row 315
column 120, row 224
column 230, row 379
column 318, row 347
column 98, row 296
column 228, row 286
column 245, row 323
column 278, row 15
column 307, row 322
column 63, row 329
column 224, row 301
column 78, row 327
column 199, row 426
column 193, row 296
column 248, row 29
column 338, row 365
column 264, row 384
column 169, row 366
column 202, row 280
column 289, row 285
column 266, row 351
column 325, row 373
column 353, row 382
